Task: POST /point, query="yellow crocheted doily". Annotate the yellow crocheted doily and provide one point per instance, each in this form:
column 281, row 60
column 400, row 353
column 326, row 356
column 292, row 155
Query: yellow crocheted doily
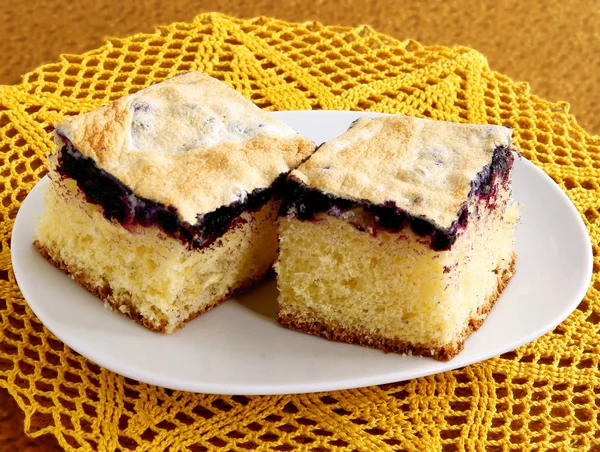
column 543, row 395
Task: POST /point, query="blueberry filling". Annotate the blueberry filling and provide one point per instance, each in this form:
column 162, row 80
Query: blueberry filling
column 304, row 203
column 120, row 203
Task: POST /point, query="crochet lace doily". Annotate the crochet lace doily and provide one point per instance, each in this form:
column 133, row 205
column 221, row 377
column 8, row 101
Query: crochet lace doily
column 543, row 395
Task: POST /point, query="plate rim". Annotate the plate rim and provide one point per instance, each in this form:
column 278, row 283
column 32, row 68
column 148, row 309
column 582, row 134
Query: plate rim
column 297, row 388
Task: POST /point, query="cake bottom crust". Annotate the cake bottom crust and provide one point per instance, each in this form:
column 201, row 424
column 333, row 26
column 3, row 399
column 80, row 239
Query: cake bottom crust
column 336, row 332
column 123, row 305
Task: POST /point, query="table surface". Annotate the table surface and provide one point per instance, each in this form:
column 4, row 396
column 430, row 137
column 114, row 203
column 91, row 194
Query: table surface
column 555, row 46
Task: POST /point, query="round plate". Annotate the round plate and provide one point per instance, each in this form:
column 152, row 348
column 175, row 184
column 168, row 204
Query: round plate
column 238, row 348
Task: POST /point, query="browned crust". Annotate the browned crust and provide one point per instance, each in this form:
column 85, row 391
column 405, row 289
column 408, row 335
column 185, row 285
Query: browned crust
column 102, row 135
column 336, row 332
column 104, row 292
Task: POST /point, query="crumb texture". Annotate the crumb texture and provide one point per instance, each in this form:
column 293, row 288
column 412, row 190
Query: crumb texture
column 144, row 273
column 394, row 286
column 337, row 332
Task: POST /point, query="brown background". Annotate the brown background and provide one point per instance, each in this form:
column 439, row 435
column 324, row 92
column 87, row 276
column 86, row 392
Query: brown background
column 553, row 45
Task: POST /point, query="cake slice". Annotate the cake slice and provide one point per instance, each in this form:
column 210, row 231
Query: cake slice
column 399, row 235
column 165, row 202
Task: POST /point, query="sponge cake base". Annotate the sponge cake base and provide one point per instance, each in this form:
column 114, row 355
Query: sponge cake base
column 336, row 332
column 144, row 273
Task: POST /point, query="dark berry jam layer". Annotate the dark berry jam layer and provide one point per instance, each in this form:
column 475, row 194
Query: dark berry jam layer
column 305, row 202
column 120, row 203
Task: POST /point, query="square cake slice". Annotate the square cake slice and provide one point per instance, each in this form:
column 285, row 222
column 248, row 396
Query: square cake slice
column 399, row 235
column 165, row 202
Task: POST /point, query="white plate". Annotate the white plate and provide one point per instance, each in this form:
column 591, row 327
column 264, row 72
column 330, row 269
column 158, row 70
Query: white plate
column 238, row 348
